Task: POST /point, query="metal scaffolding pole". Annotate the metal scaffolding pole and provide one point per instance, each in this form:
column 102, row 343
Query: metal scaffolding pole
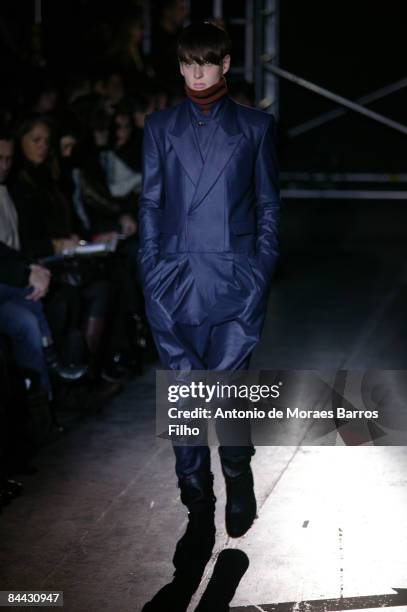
column 342, row 194
column 266, row 27
column 399, row 127
column 339, row 112
column 38, row 11
column 271, row 84
column 217, row 9
column 248, row 59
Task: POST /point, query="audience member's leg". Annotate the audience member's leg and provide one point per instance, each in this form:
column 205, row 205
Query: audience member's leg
column 96, row 296
column 21, row 325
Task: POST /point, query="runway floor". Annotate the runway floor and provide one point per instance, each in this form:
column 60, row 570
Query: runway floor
column 101, row 518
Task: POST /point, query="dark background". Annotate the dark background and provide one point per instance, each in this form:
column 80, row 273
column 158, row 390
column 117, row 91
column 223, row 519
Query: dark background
column 351, row 48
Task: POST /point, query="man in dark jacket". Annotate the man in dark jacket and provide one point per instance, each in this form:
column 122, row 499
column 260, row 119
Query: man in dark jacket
column 208, row 216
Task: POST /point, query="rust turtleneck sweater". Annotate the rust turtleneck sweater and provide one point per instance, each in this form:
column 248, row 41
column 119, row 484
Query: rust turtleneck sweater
column 204, row 98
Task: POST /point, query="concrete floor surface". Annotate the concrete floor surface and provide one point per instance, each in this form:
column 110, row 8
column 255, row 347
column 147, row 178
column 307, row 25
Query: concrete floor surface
column 101, row 518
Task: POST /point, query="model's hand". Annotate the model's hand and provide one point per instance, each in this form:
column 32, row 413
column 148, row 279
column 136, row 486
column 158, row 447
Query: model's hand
column 128, row 225
column 39, row 280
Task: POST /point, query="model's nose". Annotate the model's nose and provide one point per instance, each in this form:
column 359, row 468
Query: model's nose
column 198, row 72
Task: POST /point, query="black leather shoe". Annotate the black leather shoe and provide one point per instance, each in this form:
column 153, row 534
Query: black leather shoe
column 196, row 545
column 66, row 373
column 241, row 505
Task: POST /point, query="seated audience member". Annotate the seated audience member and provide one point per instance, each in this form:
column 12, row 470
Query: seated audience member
column 108, row 213
column 70, row 179
column 77, row 86
column 110, row 87
column 125, row 150
column 45, row 229
column 22, row 285
column 22, row 318
column 127, row 139
column 114, row 89
column 46, row 100
column 44, row 214
column 126, row 53
column 104, row 216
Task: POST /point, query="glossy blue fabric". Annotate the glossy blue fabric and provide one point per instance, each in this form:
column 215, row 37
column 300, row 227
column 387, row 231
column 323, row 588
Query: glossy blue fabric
column 208, row 216
column 208, row 234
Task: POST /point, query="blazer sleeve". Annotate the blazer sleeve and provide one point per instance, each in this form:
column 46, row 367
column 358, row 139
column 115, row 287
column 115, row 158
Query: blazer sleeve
column 150, row 202
column 267, row 202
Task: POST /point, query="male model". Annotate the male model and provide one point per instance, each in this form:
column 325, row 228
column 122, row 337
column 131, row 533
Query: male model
column 208, row 216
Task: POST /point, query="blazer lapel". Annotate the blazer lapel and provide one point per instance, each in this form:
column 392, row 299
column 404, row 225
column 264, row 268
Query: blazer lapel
column 222, row 147
column 182, row 138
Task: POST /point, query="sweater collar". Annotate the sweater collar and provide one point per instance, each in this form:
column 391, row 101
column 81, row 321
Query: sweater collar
column 205, row 98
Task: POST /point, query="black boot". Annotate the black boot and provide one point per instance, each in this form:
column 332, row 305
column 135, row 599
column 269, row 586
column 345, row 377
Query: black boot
column 67, row 373
column 194, row 549
column 241, row 506
column 196, row 545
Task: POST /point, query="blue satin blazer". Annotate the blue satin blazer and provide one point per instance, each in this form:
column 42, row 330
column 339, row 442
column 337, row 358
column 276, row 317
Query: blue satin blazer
column 208, row 230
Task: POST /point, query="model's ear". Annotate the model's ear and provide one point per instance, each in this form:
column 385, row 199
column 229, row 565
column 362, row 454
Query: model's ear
column 225, row 64
column 181, row 68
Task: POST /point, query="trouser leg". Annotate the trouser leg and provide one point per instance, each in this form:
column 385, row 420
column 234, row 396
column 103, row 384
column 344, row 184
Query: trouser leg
column 225, row 346
column 235, row 457
column 180, row 349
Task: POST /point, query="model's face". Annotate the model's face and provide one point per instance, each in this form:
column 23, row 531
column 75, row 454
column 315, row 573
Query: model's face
column 6, row 158
column 202, row 76
column 35, row 144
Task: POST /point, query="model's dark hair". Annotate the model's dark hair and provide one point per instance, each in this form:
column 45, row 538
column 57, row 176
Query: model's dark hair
column 203, row 42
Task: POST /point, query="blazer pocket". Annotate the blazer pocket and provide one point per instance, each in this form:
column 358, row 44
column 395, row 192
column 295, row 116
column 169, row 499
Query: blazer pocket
column 239, row 228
